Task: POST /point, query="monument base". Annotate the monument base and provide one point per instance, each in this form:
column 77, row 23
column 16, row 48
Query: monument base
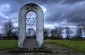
column 32, row 50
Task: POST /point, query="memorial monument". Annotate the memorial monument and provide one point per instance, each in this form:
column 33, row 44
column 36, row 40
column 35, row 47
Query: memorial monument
column 22, row 24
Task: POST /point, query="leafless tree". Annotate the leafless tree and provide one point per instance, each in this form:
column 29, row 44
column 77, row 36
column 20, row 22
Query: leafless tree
column 53, row 33
column 68, row 32
column 57, row 32
column 15, row 33
column 46, row 32
column 8, row 28
column 80, row 29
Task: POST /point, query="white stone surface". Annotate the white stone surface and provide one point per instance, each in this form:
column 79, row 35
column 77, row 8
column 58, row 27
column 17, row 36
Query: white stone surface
column 39, row 23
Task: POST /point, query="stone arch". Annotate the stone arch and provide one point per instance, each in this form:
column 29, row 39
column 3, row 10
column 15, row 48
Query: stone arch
column 39, row 23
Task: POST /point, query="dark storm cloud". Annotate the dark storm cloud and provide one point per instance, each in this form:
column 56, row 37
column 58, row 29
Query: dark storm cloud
column 73, row 13
column 71, row 1
column 57, row 10
column 48, row 1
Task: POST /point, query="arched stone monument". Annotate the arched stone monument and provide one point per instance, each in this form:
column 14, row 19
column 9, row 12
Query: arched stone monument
column 39, row 23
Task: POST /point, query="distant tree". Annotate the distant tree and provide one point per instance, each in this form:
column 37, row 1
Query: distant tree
column 53, row 33
column 57, row 32
column 80, row 29
column 83, row 27
column 15, row 33
column 8, row 28
column 46, row 33
column 68, row 32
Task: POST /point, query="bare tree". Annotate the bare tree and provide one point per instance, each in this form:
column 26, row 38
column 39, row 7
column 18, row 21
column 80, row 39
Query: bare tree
column 53, row 33
column 15, row 33
column 8, row 28
column 83, row 27
column 46, row 33
column 57, row 32
column 68, row 32
column 80, row 29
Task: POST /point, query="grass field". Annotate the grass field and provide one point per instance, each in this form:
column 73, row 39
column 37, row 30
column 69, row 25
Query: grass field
column 4, row 44
column 76, row 45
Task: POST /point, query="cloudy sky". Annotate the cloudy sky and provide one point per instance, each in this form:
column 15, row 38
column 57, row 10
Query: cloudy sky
column 56, row 12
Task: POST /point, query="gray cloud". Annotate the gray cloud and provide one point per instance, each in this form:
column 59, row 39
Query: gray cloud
column 71, row 1
column 74, row 13
column 57, row 10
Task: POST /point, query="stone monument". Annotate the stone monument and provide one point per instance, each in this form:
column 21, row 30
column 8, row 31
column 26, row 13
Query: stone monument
column 39, row 23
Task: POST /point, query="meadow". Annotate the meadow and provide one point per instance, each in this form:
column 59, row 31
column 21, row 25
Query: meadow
column 75, row 45
column 6, row 44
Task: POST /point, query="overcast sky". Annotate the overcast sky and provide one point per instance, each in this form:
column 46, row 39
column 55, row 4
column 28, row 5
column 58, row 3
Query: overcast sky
column 56, row 12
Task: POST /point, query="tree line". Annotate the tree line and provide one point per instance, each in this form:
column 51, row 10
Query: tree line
column 10, row 32
column 57, row 32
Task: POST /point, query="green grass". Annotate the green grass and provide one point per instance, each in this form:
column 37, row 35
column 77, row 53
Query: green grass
column 5, row 44
column 76, row 45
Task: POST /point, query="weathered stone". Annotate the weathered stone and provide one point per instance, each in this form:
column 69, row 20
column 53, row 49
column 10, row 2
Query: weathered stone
column 39, row 23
